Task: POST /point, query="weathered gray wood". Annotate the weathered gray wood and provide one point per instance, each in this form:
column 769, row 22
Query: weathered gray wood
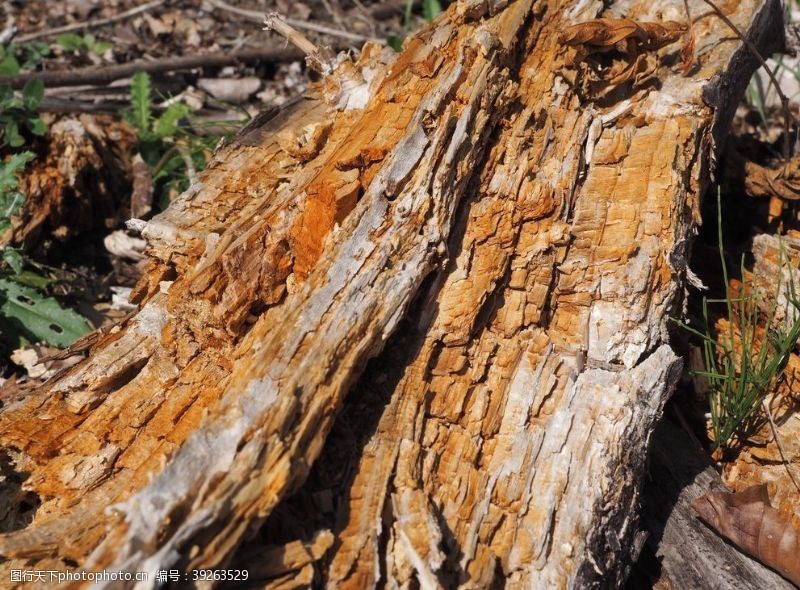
column 692, row 555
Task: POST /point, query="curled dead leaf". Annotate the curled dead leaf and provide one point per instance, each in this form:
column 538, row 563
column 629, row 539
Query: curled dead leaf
column 608, row 33
column 749, row 521
column 609, row 52
column 783, row 182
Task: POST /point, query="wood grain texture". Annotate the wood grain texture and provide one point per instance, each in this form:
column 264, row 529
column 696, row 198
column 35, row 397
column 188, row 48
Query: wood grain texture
column 461, row 206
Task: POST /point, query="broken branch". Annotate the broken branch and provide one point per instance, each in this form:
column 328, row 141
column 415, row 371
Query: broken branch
column 108, row 74
column 82, row 26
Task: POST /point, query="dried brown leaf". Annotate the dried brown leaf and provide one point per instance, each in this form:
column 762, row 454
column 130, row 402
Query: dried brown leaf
column 749, row 521
column 606, row 33
column 783, row 182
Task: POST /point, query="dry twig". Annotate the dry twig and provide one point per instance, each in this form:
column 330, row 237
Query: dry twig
column 787, row 114
column 107, row 74
column 297, row 24
column 317, row 58
column 91, row 23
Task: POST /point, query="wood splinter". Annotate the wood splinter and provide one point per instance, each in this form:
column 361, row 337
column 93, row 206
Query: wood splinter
column 319, row 59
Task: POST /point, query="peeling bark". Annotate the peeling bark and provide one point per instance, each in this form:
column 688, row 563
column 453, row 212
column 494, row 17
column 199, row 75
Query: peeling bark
column 509, row 247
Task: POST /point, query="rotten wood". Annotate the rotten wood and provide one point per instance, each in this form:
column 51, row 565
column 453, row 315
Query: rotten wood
column 692, row 555
column 79, row 183
column 506, row 248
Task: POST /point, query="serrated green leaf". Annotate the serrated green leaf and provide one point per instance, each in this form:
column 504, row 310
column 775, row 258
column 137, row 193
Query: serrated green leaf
column 13, row 258
column 11, row 134
column 36, row 125
column 9, row 65
column 38, row 317
column 32, row 94
column 167, row 124
column 70, row 42
column 11, row 167
column 140, row 101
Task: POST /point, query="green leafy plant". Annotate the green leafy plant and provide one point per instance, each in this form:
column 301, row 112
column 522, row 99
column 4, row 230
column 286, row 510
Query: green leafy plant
column 8, row 62
column 10, row 198
column 140, row 113
column 20, row 111
column 27, row 314
column 742, row 367
column 87, row 43
column 26, row 56
column 169, row 147
column 430, row 10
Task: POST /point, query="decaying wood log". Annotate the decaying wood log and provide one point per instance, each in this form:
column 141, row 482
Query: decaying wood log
column 690, row 553
column 79, row 183
column 508, row 241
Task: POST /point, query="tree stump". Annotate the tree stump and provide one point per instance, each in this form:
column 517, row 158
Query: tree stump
column 495, row 225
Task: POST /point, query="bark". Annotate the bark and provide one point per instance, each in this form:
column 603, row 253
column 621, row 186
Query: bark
column 505, row 245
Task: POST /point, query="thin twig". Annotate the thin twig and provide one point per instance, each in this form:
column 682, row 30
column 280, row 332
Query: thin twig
column 317, row 58
column 364, row 16
column 91, row 23
column 778, row 442
column 165, row 158
column 787, row 114
column 334, row 15
column 51, row 104
column 298, row 24
column 274, row 22
column 107, row 74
